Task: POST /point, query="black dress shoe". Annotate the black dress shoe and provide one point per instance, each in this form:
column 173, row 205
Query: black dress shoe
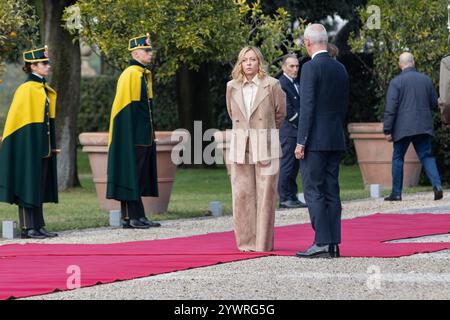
column 125, row 223
column 334, row 251
column 32, row 234
column 393, row 198
column 136, row 224
column 438, row 193
column 291, row 204
column 150, row 223
column 47, row 234
column 316, row 251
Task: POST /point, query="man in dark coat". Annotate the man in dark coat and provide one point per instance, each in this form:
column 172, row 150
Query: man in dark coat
column 289, row 165
column 324, row 90
column 408, row 119
column 132, row 147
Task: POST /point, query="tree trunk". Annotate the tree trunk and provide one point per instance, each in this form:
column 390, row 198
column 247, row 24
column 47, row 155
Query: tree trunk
column 194, row 103
column 65, row 79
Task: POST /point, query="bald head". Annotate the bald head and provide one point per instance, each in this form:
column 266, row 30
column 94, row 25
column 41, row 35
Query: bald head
column 406, row 60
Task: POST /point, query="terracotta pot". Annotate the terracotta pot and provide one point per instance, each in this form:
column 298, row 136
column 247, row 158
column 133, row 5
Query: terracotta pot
column 223, row 144
column 95, row 144
column 374, row 155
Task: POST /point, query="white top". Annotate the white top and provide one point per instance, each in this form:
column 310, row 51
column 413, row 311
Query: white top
column 320, row 51
column 249, row 89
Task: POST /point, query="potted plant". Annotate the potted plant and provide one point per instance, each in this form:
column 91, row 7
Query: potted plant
column 95, row 144
column 374, row 155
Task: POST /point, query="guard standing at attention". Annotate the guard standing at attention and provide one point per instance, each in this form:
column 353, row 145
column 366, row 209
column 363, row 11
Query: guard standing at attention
column 27, row 154
column 132, row 170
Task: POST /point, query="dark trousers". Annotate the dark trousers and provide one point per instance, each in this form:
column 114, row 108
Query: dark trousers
column 132, row 209
column 135, row 209
column 33, row 217
column 289, row 167
column 422, row 145
column 320, row 177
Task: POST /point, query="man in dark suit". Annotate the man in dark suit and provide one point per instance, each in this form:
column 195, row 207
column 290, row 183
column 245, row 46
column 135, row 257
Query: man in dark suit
column 324, row 91
column 408, row 119
column 289, row 165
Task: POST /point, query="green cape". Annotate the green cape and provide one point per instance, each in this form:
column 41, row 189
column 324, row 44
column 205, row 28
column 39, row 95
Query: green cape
column 131, row 126
column 25, row 142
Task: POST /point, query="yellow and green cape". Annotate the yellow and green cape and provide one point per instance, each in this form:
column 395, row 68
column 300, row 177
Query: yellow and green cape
column 131, row 126
column 29, row 136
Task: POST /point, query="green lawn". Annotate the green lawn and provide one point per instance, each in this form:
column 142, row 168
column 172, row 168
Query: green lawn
column 192, row 192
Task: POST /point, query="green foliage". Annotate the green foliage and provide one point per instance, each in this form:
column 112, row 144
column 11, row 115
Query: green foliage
column 270, row 33
column 19, row 27
column 315, row 10
column 165, row 113
column 13, row 77
column 97, row 95
column 418, row 26
column 184, row 32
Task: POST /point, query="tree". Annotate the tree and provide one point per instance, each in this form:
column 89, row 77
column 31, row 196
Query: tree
column 189, row 37
column 315, row 10
column 19, row 27
column 65, row 79
column 417, row 26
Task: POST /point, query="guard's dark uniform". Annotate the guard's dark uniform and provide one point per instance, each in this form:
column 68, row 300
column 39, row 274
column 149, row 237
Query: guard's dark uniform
column 132, row 171
column 27, row 159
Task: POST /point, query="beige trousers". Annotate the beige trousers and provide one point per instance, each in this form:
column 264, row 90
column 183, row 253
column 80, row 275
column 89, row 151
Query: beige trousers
column 254, row 190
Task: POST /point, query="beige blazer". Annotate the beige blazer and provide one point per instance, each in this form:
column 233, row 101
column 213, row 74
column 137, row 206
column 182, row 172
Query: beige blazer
column 258, row 132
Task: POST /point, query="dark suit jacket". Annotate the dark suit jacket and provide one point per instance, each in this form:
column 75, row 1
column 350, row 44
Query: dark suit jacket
column 324, row 90
column 410, row 97
column 289, row 125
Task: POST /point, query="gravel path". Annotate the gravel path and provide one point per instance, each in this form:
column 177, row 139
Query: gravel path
column 424, row 276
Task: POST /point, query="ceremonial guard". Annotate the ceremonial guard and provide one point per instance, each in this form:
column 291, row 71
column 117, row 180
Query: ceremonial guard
column 132, row 147
column 27, row 153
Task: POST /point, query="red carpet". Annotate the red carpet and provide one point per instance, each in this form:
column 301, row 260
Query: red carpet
column 34, row 269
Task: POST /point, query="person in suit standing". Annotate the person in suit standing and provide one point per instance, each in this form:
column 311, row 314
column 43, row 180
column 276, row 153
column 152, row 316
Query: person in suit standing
column 324, row 91
column 256, row 105
column 289, row 165
column 408, row 119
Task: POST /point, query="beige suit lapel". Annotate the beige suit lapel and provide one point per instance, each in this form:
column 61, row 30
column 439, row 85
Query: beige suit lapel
column 262, row 92
column 238, row 97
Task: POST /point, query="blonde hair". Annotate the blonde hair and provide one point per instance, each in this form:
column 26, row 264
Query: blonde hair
column 237, row 73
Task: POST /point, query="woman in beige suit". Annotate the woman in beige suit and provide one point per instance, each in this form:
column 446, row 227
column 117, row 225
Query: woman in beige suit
column 256, row 105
